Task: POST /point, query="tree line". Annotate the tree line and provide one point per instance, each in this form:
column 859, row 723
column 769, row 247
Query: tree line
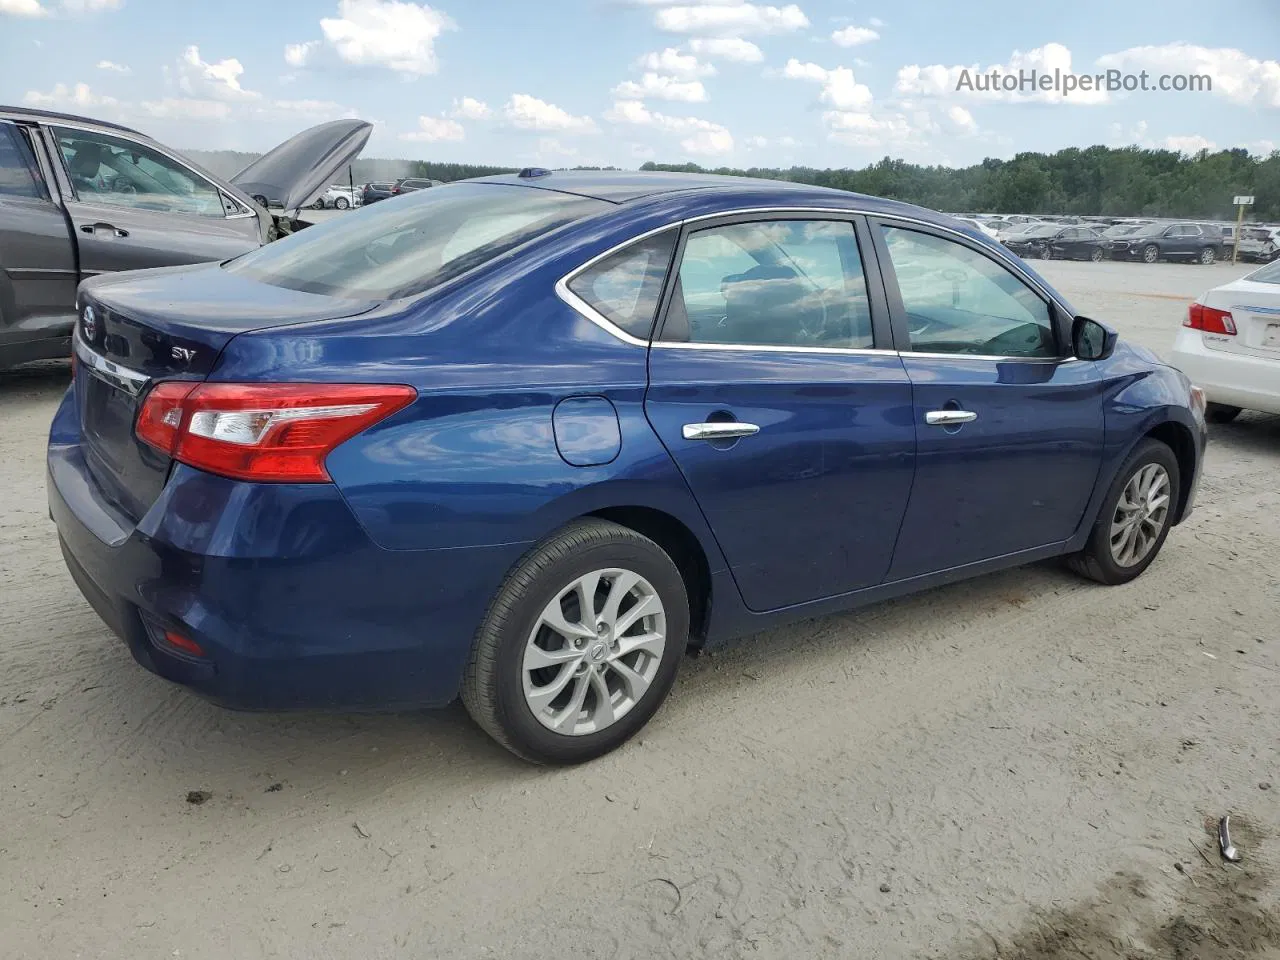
column 1098, row 180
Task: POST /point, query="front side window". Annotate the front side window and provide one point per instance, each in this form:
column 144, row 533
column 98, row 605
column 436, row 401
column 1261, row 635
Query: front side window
column 625, row 286
column 19, row 176
column 401, row 249
column 791, row 283
column 959, row 301
column 111, row 170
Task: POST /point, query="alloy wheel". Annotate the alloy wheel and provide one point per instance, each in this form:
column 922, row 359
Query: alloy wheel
column 1096, row 256
column 594, row 651
column 1207, row 255
column 1140, row 515
column 1151, row 254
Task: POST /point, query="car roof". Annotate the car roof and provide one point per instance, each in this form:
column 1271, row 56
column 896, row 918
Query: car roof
column 27, row 113
column 708, row 193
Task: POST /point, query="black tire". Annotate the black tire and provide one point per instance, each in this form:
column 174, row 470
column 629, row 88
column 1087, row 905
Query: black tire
column 1207, row 256
column 318, row 205
column 1150, row 253
column 342, row 203
column 1096, row 255
column 1221, row 412
column 1095, row 560
column 492, row 687
column 1046, row 252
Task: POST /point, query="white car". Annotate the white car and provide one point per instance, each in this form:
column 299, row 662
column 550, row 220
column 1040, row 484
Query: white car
column 1259, row 243
column 1229, row 345
column 338, row 196
column 978, row 225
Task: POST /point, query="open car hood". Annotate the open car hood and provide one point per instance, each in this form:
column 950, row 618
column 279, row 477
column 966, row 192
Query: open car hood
column 299, row 170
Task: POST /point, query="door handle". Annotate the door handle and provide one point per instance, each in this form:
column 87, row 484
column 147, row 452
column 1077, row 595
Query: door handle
column 719, row 430
column 94, row 227
column 949, row 418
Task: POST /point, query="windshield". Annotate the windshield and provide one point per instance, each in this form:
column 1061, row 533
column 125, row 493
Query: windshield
column 1268, row 274
column 402, row 248
column 1043, row 231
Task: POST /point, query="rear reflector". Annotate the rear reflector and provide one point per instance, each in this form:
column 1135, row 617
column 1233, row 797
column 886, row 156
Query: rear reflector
column 271, row 432
column 1210, row 320
column 185, row 644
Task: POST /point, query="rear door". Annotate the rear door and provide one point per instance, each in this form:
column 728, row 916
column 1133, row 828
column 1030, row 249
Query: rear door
column 1008, row 427
column 37, row 258
column 133, row 206
column 774, row 386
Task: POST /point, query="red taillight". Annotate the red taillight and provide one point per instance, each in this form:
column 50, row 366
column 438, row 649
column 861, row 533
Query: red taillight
column 280, row 432
column 1210, row 320
column 185, row 644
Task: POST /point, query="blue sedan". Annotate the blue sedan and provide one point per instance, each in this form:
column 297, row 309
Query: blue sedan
column 527, row 439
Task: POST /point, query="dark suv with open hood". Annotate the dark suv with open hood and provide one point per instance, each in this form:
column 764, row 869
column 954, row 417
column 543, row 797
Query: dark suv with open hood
column 1166, row 240
column 80, row 197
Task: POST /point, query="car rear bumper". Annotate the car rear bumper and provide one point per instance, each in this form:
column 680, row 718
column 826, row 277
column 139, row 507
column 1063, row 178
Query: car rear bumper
column 1228, row 378
column 291, row 602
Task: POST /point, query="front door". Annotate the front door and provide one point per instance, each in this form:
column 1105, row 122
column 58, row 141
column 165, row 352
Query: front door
column 1008, row 428
column 773, row 385
column 136, row 207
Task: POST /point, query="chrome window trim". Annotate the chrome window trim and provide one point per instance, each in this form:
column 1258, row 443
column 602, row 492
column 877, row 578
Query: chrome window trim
column 583, row 308
column 53, row 125
column 130, row 381
column 589, row 312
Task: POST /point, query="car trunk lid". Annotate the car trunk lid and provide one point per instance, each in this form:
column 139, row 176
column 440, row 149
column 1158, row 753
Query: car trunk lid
column 137, row 329
column 1255, row 310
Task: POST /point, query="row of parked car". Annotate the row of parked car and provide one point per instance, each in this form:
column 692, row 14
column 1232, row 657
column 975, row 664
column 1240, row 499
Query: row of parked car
column 340, row 196
column 1097, row 238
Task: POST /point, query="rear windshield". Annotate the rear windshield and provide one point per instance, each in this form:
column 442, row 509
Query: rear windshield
column 1268, row 274
column 413, row 243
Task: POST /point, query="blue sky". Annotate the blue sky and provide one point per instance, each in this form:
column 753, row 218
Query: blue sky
column 816, row 82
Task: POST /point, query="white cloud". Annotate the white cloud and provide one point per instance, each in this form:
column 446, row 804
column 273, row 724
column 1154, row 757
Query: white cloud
column 658, row 87
column 113, row 67
column 529, row 113
column 673, row 63
column 937, row 80
column 759, row 143
column 700, row 136
column 79, row 96
column 469, row 108
column 214, row 81
column 852, row 36
column 864, row 129
column 876, row 22
column 35, row 9
column 1138, row 135
column 1236, row 76
column 297, row 54
column 431, row 129
column 1191, row 144
column 727, row 48
column 961, row 119
column 23, row 8
column 393, row 34
column 730, row 19
column 839, row 88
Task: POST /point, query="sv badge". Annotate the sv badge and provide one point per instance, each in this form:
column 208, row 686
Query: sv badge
column 185, row 354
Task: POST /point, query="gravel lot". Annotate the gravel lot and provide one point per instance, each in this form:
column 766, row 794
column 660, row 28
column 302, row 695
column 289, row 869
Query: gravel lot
column 1018, row 766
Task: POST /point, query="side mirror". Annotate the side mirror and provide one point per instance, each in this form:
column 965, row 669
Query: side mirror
column 1091, row 340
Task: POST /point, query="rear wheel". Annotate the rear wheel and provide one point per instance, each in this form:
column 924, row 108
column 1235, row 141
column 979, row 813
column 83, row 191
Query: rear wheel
column 1221, row 412
column 1134, row 519
column 1150, row 253
column 580, row 646
column 1207, row 256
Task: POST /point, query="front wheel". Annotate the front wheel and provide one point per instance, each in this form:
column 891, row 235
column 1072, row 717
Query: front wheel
column 1096, row 255
column 1046, row 253
column 1134, row 519
column 1207, row 256
column 342, row 203
column 1150, row 253
column 580, row 646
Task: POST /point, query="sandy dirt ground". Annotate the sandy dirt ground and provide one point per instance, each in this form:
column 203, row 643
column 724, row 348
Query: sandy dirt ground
column 1018, row 766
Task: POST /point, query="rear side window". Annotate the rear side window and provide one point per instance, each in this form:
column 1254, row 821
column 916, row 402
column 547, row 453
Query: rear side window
column 1268, row 274
column 625, row 286
column 425, row 239
column 18, row 175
